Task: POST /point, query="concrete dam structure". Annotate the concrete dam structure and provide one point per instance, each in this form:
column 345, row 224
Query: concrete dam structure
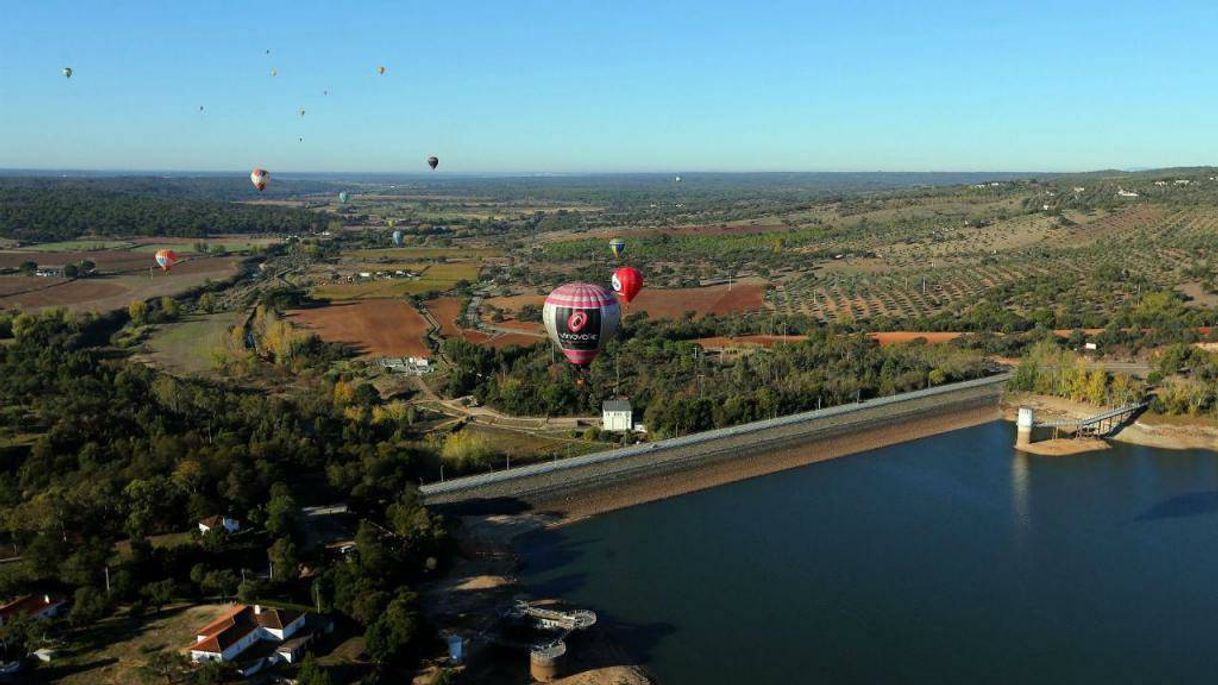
column 568, row 478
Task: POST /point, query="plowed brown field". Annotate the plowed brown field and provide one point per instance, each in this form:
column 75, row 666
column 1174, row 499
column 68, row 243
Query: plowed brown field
column 376, row 328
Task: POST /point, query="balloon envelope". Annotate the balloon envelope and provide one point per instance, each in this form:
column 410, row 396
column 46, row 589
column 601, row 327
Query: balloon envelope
column 166, row 259
column 627, row 282
column 260, row 178
column 579, row 318
column 343, row 197
column 380, row 70
column 397, row 237
column 67, row 72
column 433, row 162
column 617, row 246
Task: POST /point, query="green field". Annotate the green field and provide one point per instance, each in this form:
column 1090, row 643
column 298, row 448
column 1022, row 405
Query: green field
column 187, row 346
column 435, row 277
column 407, row 253
column 188, row 247
column 85, row 245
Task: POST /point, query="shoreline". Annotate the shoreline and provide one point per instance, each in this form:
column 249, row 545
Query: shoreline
column 1148, row 430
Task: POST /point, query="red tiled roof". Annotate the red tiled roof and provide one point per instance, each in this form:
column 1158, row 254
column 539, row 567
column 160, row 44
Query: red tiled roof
column 236, row 624
column 213, row 521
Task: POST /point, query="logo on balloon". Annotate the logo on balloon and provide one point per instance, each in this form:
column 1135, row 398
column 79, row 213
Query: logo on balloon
column 617, row 284
column 577, row 321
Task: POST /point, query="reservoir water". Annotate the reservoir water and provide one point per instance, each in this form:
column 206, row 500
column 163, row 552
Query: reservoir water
column 947, row 559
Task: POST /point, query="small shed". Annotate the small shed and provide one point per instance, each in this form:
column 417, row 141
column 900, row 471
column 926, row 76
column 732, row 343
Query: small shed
column 617, row 415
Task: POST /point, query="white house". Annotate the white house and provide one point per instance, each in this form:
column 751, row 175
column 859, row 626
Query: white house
column 37, row 607
column 229, row 524
column 226, row 637
column 616, row 415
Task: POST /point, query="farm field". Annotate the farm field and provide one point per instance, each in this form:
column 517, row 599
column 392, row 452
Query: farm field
column 241, row 245
column 187, row 346
column 106, row 293
column 446, row 311
column 82, row 245
column 106, row 260
column 434, row 277
column 111, row 651
column 746, row 295
column 374, row 328
column 415, row 253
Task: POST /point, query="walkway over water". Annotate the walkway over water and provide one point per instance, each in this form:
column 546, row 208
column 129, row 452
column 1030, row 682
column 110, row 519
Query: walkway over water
column 1100, row 424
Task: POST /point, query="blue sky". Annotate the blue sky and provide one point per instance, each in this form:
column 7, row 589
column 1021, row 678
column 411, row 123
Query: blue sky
column 608, row 86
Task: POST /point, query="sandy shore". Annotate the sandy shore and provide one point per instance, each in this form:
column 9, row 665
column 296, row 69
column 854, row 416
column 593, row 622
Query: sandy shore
column 1150, row 430
column 572, row 508
column 483, row 578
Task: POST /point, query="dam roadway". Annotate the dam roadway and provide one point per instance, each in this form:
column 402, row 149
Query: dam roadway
column 736, row 452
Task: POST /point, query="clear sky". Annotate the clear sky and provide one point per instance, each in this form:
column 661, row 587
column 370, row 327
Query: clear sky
column 619, row 85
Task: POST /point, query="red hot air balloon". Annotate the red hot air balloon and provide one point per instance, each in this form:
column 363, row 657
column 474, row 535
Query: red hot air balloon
column 166, row 259
column 260, row 178
column 580, row 317
column 627, row 282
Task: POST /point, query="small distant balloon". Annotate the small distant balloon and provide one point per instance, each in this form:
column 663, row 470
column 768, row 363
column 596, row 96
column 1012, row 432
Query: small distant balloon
column 260, row 178
column 200, row 108
column 677, row 179
column 397, row 238
column 617, row 246
column 302, row 112
column 166, row 259
column 274, row 72
column 268, row 51
column 381, row 70
column 343, row 197
column 433, row 162
column 300, row 140
column 325, row 92
column 67, row 72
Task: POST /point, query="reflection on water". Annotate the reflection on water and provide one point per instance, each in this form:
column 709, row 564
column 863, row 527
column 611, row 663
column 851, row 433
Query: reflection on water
column 953, row 558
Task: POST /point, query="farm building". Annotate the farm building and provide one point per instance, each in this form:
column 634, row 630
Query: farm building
column 211, row 522
column 244, row 626
column 617, row 415
column 36, row 607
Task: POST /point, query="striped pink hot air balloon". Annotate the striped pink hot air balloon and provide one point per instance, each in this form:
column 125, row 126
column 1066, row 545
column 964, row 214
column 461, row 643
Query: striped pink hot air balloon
column 580, row 317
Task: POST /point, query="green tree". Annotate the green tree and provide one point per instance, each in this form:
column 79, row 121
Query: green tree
column 389, row 638
column 28, row 267
column 88, row 605
column 169, row 308
column 71, row 270
column 138, row 311
column 282, row 555
column 312, row 673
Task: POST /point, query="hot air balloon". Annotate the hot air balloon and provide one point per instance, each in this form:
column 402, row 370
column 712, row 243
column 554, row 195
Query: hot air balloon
column 260, row 178
column 325, row 92
column 343, row 197
column 302, row 111
column 617, row 246
column 579, row 318
column 67, row 72
column 381, row 70
column 627, row 282
column 274, row 72
column 677, row 179
column 200, row 108
column 433, row 162
column 397, row 238
column 166, row 259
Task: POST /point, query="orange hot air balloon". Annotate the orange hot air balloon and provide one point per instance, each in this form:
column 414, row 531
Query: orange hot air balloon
column 166, row 259
column 260, row 178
